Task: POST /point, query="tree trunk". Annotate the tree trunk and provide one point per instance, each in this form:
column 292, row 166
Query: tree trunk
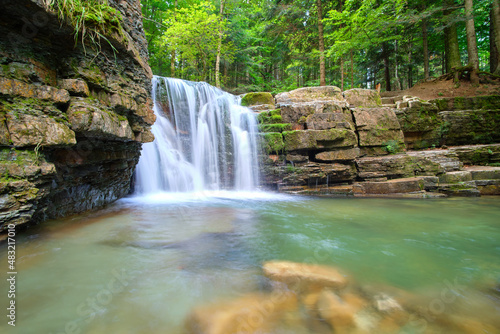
column 472, row 43
column 352, row 69
column 219, row 47
column 396, row 72
column 322, row 79
column 410, row 67
column 172, row 54
column 426, row 49
column 495, row 28
column 342, row 73
column 387, row 72
column 452, row 50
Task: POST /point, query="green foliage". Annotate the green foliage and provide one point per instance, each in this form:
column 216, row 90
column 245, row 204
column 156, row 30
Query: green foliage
column 273, row 142
column 393, row 146
column 272, row 45
column 92, row 20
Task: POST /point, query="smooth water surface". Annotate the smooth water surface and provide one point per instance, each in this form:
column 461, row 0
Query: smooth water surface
column 142, row 264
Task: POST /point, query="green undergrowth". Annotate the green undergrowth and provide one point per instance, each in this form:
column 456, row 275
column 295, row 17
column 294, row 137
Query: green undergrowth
column 92, row 20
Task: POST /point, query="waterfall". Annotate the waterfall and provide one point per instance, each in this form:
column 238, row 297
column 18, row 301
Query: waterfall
column 204, row 140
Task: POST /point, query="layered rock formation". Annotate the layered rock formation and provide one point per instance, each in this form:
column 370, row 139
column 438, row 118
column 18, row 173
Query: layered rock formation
column 324, row 141
column 73, row 113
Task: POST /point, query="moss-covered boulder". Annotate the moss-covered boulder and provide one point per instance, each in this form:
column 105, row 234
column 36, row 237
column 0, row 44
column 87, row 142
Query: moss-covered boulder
column 258, row 98
column 377, row 127
column 325, row 121
column 279, row 127
column 317, row 139
column 270, row 117
column 272, row 142
column 310, row 94
column 363, row 98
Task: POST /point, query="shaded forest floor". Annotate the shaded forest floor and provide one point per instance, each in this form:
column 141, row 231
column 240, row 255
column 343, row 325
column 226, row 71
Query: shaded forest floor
column 446, row 88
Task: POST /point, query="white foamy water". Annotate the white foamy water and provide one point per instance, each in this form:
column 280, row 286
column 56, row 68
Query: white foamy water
column 204, row 141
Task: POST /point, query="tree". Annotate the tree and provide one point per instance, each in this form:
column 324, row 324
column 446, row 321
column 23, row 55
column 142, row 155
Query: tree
column 472, row 43
column 194, row 34
column 219, row 47
column 452, row 51
column 322, row 80
column 495, row 28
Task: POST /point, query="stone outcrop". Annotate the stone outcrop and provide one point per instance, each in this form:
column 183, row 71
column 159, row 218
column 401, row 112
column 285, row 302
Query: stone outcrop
column 324, row 142
column 72, row 116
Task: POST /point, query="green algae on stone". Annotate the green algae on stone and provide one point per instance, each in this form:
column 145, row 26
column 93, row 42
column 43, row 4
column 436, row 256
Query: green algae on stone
column 258, row 98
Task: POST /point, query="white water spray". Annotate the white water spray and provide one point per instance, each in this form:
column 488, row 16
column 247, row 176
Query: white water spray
column 204, row 140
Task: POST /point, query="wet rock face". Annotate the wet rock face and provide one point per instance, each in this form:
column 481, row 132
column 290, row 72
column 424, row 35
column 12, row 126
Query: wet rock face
column 72, row 116
column 325, row 142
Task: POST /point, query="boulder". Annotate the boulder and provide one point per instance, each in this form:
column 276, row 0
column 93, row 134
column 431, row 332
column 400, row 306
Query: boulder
column 258, row 98
column 76, row 87
column 325, row 121
column 378, row 127
column 309, row 94
column 248, row 314
column 470, row 127
column 93, row 120
column 337, row 313
column 338, row 155
column 298, row 112
column 28, row 130
column 18, row 88
column 362, row 98
column 455, row 177
column 319, row 139
column 304, row 277
column 397, row 186
column 396, row 166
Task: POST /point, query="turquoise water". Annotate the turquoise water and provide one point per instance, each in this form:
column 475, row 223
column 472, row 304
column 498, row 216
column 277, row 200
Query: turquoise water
column 142, row 264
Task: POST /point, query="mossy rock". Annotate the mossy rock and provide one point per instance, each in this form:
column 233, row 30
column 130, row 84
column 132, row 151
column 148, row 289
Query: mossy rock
column 258, row 98
column 269, row 117
column 272, row 142
column 279, row 127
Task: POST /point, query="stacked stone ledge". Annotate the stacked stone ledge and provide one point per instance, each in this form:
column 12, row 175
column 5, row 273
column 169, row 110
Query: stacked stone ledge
column 321, row 141
column 72, row 118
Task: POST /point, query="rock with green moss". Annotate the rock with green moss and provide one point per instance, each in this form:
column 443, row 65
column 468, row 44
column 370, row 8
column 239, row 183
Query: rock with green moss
column 28, row 130
column 491, row 102
column 279, row 127
column 338, row 155
column 319, row 139
column 270, row 117
column 258, row 98
column 94, row 120
column 396, row 166
column 325, row 121
column 377, row 126
column 363, row 98
column 311, row 94
column 471, row 127
column 297, row 113
column 272, row 142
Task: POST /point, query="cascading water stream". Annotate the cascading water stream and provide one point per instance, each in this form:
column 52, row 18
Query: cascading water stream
column 204, row 140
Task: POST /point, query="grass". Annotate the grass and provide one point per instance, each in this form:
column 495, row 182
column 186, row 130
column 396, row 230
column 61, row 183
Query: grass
column 92, row 20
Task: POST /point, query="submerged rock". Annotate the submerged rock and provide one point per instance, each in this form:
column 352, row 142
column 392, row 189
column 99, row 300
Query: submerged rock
column 304, row 277
column 249, row 314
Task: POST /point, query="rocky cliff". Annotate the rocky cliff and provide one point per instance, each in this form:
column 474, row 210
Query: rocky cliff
column 354, row 143
column 73, row 112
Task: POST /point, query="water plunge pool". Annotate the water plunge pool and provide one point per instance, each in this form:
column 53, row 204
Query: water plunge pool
column 144, row 264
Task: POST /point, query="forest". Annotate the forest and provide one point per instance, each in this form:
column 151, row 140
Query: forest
column 280, row 45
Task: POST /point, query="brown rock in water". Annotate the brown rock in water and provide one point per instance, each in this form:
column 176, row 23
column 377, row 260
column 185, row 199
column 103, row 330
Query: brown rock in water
column 335, row 311
column 304, row 277
column 249, row 314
